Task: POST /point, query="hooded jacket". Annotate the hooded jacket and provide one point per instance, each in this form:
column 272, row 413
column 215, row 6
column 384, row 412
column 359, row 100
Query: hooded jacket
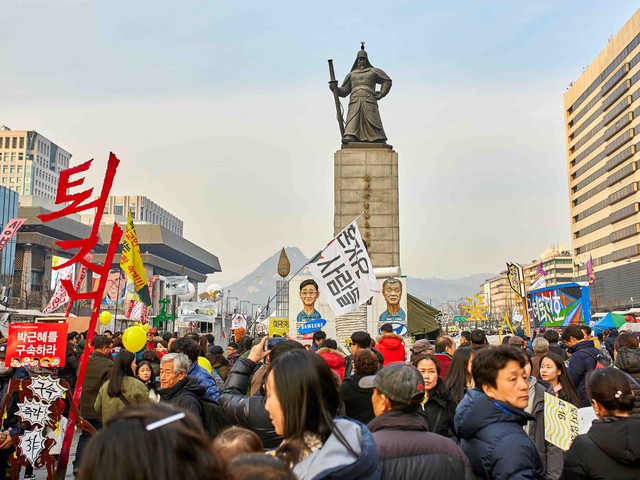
column 610, row 450
column 357, row 400
column 247, row 412
column 491, row 435
column 132, row 389
column 334, row 461
column 629, row 362
column 185, row 394
column 406, row 449
column 335, row 360
column 583, row 359
column 391, row 346
column 440, row 409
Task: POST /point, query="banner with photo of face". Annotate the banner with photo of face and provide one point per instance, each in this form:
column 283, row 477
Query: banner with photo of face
column 390, row 305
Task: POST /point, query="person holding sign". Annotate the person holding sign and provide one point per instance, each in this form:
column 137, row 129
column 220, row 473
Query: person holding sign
column 611, row 448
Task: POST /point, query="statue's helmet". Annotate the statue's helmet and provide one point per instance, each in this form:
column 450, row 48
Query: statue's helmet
column 362, row 53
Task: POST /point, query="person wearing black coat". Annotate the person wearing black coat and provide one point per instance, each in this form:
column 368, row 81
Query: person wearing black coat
column 357, row 400
column 179, row 389
column 406, row 448
column 610, row 342
column 584, row 358
column 628, row 361
column 610, row 450
column 249, row 412
column 440, row 409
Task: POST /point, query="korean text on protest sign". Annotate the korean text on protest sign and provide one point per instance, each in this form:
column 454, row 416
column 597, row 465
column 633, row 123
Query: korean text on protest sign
column 33, row 344
column 73, row 200
column 344, row 272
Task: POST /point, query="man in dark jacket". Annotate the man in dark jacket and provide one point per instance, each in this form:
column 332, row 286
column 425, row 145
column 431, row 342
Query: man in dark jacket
column 204, row 378
column 489, row 419
column 249, row 412
column 98, row 369
column 178, row 389
column 583, row 359
column 406, row 448
column 553, row 337
column 610, row 342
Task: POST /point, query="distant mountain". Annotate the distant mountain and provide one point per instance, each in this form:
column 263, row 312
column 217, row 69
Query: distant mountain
column 437, row 291
column 259, row 285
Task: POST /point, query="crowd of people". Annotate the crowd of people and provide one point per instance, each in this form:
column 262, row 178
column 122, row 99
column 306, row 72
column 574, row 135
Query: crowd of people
column 283, row 410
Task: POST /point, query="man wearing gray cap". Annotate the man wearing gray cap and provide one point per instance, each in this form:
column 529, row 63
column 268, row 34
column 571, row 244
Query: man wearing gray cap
column 406, row 448
column 421, row 347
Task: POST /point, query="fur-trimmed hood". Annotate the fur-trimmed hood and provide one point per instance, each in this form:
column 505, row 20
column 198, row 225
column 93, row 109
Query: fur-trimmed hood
column 389, row 335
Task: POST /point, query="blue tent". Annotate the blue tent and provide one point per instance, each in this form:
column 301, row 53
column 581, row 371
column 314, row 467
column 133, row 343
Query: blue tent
column 610, row 320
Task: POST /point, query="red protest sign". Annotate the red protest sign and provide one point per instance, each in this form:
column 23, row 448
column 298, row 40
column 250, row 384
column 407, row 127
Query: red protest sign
column 32, row 344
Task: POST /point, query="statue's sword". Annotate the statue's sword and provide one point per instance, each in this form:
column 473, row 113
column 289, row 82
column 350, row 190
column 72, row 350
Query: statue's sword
column 336, row 98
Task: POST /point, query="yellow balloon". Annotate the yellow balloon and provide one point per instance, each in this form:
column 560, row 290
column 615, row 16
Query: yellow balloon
column 134, row 339
column 105, row 318
column 204, row 363
column 145, row 327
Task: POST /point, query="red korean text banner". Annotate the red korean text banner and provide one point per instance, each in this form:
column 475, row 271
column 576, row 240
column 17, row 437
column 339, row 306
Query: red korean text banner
column 33, row 344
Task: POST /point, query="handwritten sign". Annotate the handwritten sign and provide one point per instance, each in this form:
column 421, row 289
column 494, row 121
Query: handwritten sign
column 37, row 344
column 278, row 326
column 561, row 421
column 10, row 230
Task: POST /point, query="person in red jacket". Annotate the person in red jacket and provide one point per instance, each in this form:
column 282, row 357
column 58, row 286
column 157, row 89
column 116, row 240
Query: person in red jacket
column 445, row 348
column 328, row 350
column 390, row 345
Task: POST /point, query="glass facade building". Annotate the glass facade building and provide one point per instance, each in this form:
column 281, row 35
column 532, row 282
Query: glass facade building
column 8, row 210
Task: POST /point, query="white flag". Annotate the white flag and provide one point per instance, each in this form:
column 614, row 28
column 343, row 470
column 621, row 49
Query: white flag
column 344, row 272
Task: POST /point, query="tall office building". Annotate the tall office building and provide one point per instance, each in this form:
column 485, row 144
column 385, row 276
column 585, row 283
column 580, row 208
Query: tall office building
column 143, row 210
column 30, row 164
column 8, row 211
column 602, row 119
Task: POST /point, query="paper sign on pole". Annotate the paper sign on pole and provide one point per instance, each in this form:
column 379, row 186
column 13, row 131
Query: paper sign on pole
column 561, row 421
column 344, row 272
column 278, row 326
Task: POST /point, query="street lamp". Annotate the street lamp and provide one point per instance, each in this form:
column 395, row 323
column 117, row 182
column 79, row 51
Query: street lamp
column 230, row 298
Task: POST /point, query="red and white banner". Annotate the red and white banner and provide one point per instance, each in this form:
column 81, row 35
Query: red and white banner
column 344, row 272
column 83, row 272
column 10, row 230
column 33, row 344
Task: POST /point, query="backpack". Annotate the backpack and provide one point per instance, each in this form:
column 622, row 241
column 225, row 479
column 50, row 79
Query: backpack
column 601, row 362
column 214, row 419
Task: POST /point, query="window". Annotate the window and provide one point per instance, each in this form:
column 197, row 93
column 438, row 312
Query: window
column 21, row 142
column 14, row 142
column 118, row 209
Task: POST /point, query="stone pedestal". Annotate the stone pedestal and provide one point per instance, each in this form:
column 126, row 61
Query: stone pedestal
column 366, row 179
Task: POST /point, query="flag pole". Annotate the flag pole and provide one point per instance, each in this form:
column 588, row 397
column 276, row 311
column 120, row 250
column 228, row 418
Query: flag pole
column 311, row 260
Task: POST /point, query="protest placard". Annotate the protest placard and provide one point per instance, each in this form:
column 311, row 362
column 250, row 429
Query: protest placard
column 37, row 344
column 561, row 421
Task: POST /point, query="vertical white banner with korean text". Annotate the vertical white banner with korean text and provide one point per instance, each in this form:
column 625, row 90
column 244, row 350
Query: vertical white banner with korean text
column 344, row 272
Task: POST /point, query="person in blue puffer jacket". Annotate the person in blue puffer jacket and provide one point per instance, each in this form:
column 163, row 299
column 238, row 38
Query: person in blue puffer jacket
column 204, row 378
column 490, row 418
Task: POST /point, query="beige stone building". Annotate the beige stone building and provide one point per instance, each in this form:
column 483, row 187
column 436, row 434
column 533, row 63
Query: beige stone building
column 558, row 264
column 30, row 163
column 142, row 210
column 602, row 120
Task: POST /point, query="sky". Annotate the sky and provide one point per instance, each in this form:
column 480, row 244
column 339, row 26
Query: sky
column 220, row 112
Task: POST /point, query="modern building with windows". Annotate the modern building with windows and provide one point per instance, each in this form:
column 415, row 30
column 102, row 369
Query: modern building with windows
column 143, row 210
column 557, row 263
column 8, row 211
column 30, row 164
column 602, row 120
